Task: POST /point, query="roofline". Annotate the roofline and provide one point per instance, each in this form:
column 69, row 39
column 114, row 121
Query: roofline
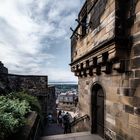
column 27, row 75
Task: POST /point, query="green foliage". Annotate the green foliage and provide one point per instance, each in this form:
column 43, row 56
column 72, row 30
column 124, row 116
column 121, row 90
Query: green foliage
column 33, row 101
column 13, row 110
column 12, row 115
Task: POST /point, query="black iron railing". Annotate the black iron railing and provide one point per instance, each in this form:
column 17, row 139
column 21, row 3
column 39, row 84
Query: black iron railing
column 76, row 121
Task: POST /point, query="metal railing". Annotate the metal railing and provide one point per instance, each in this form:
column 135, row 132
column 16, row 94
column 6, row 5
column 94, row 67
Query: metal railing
column 76, row 121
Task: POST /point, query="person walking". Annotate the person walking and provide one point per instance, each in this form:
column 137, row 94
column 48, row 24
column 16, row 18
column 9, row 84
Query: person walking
column 59, row 118
column 50, row 118
column 66, row 123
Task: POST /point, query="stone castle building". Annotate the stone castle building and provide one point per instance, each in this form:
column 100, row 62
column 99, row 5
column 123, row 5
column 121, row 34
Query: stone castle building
column 105, row 56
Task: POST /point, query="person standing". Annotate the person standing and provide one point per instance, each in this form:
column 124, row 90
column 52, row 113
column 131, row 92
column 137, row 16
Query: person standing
column 50, row 118
column 66, row 123
column 59, row 117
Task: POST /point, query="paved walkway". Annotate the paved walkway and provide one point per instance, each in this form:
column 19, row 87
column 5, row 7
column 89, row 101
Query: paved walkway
column 73, row 136
column 55, row 132
column 53, row 129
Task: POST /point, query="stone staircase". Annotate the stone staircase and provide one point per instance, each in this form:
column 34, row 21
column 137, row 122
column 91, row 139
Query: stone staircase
column 73, row 136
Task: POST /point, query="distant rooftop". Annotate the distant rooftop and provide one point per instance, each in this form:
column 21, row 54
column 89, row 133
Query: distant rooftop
column 68, row 93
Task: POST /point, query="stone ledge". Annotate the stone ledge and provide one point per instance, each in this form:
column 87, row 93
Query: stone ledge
column 132, row 110
column 129, row 109
column 137, row 110
column 136, row 50
column 135, row 62
column 126, row 91
column 130, row 101
column 134, row 83
column 28, row 131
column 137, row 73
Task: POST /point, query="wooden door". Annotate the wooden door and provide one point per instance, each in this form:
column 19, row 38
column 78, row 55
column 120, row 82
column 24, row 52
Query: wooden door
column 97, row 106
column 100, row 112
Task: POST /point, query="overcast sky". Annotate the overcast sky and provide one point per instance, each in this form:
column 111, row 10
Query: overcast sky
column 34, row 36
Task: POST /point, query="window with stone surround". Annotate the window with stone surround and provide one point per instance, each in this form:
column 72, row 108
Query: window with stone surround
column 84, row 30
column 96, row 13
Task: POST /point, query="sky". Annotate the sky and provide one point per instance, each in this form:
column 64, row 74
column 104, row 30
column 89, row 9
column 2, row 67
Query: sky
column 35, row 37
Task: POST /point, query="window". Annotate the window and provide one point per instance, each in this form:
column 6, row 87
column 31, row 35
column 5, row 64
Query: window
column 84, row 26
column 96, row 13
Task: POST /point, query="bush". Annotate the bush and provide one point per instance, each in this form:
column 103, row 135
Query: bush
column 33, row 101
column 13, row 110
column 12, row 115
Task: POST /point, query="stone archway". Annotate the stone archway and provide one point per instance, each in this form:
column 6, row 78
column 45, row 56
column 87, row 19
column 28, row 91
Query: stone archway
column 97, row 110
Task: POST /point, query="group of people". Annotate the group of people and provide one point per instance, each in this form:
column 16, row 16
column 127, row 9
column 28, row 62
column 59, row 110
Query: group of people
column 64, row 120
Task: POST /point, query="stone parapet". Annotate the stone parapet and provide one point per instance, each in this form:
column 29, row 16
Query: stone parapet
column 36, row 85
column 31, row 129
column 3, row 69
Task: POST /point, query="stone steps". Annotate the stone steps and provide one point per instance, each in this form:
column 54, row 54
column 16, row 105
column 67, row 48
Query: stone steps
column 73, row 136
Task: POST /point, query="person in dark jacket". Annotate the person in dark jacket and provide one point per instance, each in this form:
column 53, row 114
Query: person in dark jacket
column 66, row 123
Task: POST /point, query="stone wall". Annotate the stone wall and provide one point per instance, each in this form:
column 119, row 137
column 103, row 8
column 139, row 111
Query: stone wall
column 115, row 66
column 121, row 115
column 31, row 129
column 3, row 79
column 103, row 32
column 2, row 68
column 33, row 84
column 82, row 125
column 51, row 104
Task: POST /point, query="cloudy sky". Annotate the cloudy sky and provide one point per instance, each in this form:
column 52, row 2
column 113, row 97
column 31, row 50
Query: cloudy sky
column 34, row 36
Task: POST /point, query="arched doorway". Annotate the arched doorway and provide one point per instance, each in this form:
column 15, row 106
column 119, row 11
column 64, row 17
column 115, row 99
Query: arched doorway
column 97, row 110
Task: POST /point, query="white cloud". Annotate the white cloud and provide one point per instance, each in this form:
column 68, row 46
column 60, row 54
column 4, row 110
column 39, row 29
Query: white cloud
column 60, row 75
column 24, row 24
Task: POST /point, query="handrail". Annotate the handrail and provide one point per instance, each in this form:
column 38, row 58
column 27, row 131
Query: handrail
column 79, row 119
column 37, row 129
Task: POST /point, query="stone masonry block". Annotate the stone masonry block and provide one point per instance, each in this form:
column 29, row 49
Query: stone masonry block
column 129, row 109
column 137, row 73
column 127, row 91
column 135, row 83
column 137, row 110
column 138, row 7
column 136, row 50
column 136, row 27
column 136, row 62
column 134, row 121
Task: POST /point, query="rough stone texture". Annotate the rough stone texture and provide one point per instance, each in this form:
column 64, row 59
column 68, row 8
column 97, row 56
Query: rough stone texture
column 137, row 73
column 3, row 79
column 3, row 69
column 81, row 126
column 121, row 85
column 104, row 31
column 30, row 130
column 51, row 101
column 136, row 50
column 136, row 62
column 33, row 84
